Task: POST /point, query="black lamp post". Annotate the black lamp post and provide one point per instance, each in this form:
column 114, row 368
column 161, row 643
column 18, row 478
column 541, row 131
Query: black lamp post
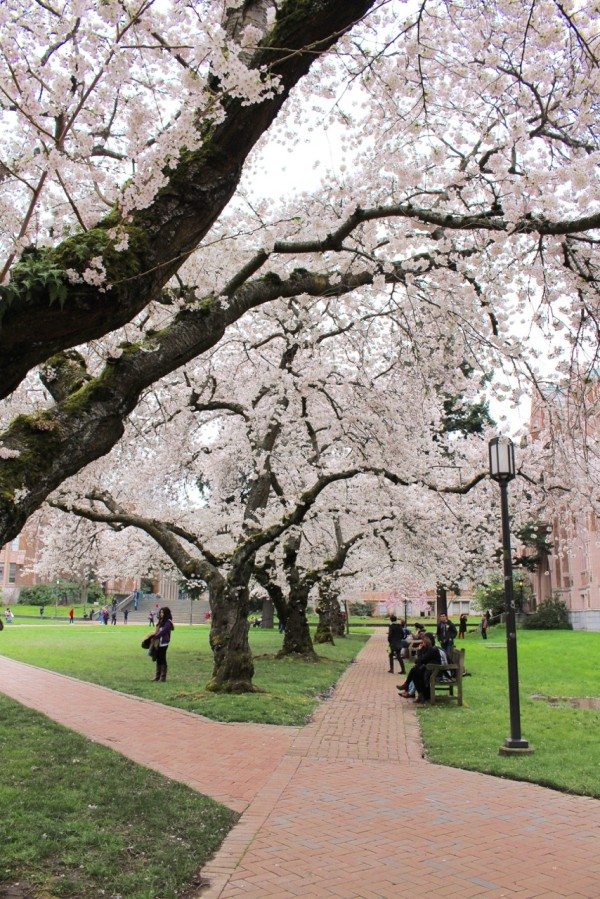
column 502, row 470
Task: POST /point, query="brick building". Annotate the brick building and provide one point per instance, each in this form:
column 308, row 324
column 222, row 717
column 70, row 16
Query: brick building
column 17, row 560
column 572, row 569
column 16, row 563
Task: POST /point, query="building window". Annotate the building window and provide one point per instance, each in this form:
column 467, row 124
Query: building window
column 1, row 572
column 12, row 573
column 15, row 543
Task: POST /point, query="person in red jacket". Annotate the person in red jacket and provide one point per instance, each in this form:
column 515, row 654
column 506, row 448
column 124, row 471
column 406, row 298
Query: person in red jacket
column 71, row 615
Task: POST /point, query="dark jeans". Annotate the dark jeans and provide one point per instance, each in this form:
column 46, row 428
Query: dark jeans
column 161, row 655
column 409, row 679
column 420, row 676
column 394, row 652
column 448, row 646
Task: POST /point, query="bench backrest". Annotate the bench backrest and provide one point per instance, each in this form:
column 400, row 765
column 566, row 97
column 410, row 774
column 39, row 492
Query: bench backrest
column 458, row 658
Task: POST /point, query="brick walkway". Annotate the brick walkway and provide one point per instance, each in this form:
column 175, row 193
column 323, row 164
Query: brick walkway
column 229, row 762
column 350, row 809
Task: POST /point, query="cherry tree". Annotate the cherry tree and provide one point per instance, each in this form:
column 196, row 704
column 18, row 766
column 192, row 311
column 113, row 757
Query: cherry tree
column 465, row 185
column 304, row 435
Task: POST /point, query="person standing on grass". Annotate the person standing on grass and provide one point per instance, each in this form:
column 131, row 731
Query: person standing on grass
column 71, row 615
column 484, row 626
column 164, row 628
column 125, row 615
column 446, row 633
column 41, row 611
column 151, row 617
column 462, row 626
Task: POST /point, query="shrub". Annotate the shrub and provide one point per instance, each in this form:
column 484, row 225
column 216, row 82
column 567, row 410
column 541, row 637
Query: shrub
column 362, row 609
column 65, row 593
column 551, row 615
column 491, row 596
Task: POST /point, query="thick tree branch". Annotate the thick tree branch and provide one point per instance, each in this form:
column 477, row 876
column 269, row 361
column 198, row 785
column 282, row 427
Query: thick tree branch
column 51, row 446
column 163, row 235
column 161, row 532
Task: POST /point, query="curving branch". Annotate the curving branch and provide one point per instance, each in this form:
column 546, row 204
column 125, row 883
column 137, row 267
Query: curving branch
column 162, row 236
column 160, row 531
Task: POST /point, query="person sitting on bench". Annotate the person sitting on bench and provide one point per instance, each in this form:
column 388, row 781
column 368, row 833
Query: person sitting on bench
column 419, row 675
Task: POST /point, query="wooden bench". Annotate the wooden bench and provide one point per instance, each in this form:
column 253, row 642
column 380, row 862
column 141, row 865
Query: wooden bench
column 457, row 667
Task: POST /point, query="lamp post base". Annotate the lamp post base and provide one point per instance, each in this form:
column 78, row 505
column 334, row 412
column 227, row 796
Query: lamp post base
column 516, row 747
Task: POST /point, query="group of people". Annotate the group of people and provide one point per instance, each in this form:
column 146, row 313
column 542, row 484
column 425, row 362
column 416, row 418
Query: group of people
column 432, row 648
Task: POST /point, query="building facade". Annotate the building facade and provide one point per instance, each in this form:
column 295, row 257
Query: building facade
column 16, row 563
column 571, row 571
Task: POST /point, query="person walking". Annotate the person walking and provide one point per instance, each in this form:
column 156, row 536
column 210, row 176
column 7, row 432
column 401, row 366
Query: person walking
column 396, row 636
column 164, row 629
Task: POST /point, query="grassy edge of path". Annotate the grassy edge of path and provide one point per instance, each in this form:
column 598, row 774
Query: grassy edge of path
column 79, row 820
column 557, row 664
column 112, row 657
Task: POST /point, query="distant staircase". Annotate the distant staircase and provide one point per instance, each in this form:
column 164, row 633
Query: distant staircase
column 185, row 611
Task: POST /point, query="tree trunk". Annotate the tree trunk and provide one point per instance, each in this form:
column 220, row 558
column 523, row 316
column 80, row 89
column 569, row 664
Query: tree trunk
column 267, row 614
column 324, row 633
column 233, row 668
column 297, row 639
column 331, row 620
column 338, row 621
column 441, row 600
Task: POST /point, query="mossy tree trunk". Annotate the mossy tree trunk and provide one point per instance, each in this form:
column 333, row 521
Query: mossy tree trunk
column 331, row 620
column 296, row 638
column 233, row 667
column 323, row 633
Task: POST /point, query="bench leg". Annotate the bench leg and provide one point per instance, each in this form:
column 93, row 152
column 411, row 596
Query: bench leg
column 432, row 693
column 460, row 701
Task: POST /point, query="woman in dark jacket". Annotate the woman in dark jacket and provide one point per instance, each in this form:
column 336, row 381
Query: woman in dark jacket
column 419, row 675
column 164, row 627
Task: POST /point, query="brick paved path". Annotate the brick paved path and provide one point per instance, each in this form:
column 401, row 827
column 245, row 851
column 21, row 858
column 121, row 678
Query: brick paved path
column 229, row 762
column 350, row 808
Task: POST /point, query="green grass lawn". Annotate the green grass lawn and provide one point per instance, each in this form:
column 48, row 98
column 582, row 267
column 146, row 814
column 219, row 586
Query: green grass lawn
column 566, row 740
column 31, row 614
column 552, row 663
column 112, row 656
column 79, row 820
